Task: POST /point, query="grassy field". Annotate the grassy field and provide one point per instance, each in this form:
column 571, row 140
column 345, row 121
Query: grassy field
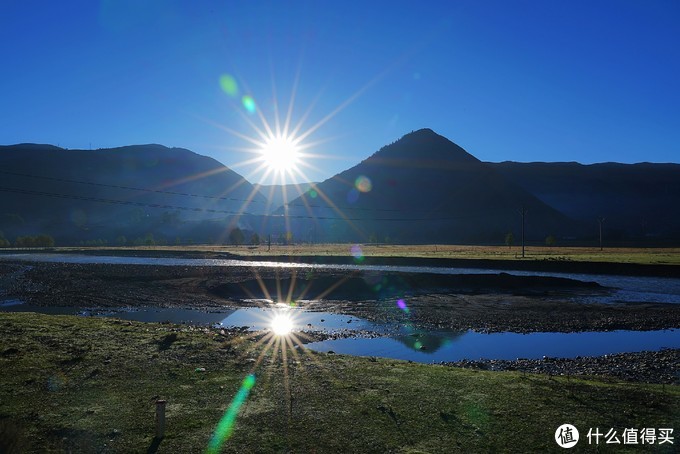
column 75, row 384
column 646, row 256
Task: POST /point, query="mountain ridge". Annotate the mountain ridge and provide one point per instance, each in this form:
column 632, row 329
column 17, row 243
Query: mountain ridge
column 123, row 191
column 425, row 173
column 637, row 200
column 420, row 188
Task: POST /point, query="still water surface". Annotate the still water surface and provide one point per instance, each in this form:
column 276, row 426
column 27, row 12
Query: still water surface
column 437, row 347
column 396, row 341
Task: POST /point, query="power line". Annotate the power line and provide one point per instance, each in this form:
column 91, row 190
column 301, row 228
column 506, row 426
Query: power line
column 208, row 210
column 113, row 201
column 130, row 188
column 232, row 199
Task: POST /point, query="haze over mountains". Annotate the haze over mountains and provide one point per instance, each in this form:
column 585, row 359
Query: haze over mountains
column 640, row 201
column 132, row 191
column 422, row 188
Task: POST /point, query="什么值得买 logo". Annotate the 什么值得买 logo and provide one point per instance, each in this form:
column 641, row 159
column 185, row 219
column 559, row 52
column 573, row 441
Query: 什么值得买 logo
column 566, row 435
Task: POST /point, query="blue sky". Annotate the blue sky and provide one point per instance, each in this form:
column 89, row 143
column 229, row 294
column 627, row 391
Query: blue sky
column 588, row 81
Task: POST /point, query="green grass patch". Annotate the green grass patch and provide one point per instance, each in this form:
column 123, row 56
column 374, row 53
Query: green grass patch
column 90, row 385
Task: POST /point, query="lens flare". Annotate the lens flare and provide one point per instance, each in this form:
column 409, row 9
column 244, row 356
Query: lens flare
column 357, row 253
column 352, row 196
column 225, row 427
column 363, row 184
column 282, row 324
column 249, row 104
column 401, row 304
column 229, row 85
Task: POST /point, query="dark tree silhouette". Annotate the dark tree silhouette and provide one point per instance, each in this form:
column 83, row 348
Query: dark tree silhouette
column 236, row 236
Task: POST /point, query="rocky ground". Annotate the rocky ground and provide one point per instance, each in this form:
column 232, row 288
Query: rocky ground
column 484, row 303
column 649, row 367
column 491, row 303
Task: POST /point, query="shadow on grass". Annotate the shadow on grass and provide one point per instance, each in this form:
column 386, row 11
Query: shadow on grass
column 153, row 447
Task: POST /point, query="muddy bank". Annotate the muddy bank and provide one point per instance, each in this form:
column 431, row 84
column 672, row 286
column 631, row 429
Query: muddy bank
column 482, row 303
column 649, row 367
column 357, row 286
column 107, row 285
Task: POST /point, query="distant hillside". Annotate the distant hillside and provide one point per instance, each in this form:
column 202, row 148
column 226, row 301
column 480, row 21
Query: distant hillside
column 131, row 191
column 278, row 195
column 638, row 200
column 422, row 188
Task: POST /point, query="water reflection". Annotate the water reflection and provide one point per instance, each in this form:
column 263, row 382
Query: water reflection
column 428, row 343
column 257, row 318
column 510, row 346
column 403, row 342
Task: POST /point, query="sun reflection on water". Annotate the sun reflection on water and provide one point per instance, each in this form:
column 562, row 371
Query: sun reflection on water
column 282, row 324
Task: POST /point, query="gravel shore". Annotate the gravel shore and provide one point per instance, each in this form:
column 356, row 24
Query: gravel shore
column 647, row 367
column 483, row 303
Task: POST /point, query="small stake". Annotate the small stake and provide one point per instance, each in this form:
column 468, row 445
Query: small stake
column 160, row 418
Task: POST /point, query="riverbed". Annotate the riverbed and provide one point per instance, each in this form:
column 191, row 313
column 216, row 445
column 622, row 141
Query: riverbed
column 422, row 314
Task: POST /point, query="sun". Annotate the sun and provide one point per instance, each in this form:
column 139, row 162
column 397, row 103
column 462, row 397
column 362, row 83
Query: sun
column 281, row 153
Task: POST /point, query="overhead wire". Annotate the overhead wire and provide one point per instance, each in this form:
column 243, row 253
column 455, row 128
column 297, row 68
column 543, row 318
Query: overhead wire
column 210, row 210
column 174, row 193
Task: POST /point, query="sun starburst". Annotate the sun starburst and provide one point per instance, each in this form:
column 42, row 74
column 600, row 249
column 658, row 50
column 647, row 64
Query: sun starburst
column 281, row 153
column 282, row 324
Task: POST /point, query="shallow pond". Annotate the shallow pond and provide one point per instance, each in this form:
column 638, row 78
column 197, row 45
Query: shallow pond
column 254, row 318
column 395, row 341
column 437, row 347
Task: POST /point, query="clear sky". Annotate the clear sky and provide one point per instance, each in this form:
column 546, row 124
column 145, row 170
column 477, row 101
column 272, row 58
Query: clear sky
column 545, row 80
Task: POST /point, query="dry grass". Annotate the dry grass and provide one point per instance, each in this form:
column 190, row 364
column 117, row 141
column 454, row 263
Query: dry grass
column 666, row 256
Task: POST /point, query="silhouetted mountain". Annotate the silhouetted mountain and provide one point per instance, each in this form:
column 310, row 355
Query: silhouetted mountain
column 102, row 194
column 637, row 200
column 421, row 188
column 279, row 195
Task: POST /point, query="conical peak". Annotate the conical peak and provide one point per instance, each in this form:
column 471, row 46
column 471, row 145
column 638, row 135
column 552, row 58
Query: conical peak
column 425, row 145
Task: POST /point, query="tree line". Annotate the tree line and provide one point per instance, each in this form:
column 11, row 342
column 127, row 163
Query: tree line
column 28, row 241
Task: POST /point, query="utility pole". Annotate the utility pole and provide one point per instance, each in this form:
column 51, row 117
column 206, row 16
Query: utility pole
column 600, row 221
column 523, row 212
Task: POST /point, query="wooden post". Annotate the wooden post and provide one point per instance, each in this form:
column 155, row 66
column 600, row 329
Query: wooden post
column 160, row 418
column 523, row 212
